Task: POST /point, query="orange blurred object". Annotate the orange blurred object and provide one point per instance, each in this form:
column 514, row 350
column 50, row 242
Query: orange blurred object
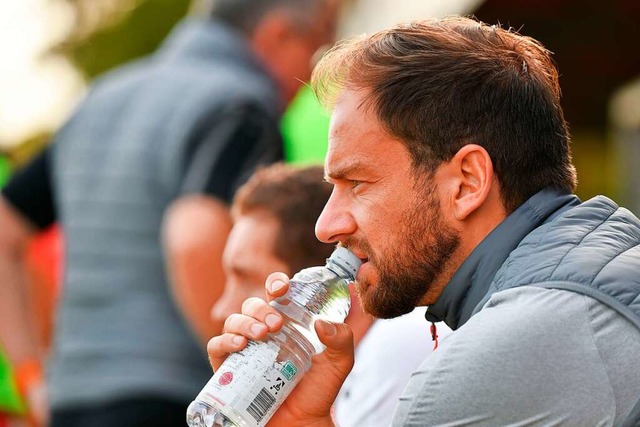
column 44, row 271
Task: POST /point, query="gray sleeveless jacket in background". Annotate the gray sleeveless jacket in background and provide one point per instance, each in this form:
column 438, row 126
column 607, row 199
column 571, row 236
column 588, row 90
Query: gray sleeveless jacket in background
column 118, row 164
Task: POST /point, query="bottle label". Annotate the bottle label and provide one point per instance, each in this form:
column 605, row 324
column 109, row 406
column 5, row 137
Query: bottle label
column 251, row 384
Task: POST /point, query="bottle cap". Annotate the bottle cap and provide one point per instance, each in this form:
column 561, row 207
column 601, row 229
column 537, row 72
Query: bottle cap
column 346, row 260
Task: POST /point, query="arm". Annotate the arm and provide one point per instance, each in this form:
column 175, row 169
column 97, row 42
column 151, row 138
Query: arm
column 26, row 205
column 17, row 329
column 224, row 152
column 194, row 233
column 309, row 404
column 16, row 326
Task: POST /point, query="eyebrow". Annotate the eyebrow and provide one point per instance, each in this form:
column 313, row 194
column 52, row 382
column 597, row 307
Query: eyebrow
column 342, row 171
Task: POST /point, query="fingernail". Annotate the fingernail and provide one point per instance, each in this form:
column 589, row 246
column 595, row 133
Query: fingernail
column 271, row 320
column 276, row 285
column 238, row 340
column 328, row 328
column 257, row 329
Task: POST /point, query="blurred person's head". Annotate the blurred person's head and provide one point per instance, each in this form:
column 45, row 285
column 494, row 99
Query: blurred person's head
column 440, row 129
column 285, row 34
column 274, row 216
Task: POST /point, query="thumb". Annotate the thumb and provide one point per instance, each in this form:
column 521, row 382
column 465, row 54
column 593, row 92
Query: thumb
column 338, row 338
column 276, row 285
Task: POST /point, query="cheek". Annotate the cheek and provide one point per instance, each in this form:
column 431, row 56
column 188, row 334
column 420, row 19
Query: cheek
column 379, row 225
column 226, row 305
column 237, row 299
column 237, row 295
column 300, row 61
column 256, row 290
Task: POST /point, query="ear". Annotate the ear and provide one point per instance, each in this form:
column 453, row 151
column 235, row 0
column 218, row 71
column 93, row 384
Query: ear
column 472, row 170
column 273, row 30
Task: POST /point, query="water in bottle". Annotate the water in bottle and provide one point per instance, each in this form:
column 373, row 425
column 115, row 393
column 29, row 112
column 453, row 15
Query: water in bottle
column 252, row 383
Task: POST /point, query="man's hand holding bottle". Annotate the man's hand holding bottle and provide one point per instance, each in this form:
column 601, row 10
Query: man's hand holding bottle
column 309, row 404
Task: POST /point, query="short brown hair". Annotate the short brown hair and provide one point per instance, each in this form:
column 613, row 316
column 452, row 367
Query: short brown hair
column 295, row 197
column 245, row 15
column 440, row 84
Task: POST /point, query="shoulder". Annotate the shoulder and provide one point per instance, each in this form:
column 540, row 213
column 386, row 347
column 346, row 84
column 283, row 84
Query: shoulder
column 595, row 243
column 184, row 89
column 385, row 359
column 392, row 349
column 410, row 332
column 528, row 355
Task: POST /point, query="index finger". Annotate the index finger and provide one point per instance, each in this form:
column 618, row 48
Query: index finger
column 218, row 348
column 276, row 285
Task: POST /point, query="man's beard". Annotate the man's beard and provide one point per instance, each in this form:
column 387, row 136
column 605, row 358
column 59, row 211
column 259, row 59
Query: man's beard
column 408, row 269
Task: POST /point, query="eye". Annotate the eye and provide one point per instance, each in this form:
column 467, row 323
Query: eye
column 354, row 183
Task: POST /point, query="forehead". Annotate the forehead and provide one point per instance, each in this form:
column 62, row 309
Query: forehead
column 359, row 142
column 326, row 14
column 323, row 24
column 252, row 237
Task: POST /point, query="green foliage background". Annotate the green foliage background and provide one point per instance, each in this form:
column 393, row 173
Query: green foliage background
column 139, row 28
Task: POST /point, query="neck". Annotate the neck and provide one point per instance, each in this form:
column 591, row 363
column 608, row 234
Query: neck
column 470, row 282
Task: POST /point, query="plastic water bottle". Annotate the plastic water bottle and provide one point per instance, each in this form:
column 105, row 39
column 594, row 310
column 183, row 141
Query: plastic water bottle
column 252, row 383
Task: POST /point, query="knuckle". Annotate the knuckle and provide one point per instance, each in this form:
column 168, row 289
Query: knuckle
column 277, row 276
column 230, row 322
column 252, row 304
column 213, row 346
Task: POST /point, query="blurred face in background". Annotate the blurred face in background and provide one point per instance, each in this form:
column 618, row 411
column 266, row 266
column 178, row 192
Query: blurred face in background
column 288, row 43
column 248, row 259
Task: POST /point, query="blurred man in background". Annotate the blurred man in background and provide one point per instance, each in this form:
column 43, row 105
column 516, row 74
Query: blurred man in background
column 274, row 217
column 139, row 178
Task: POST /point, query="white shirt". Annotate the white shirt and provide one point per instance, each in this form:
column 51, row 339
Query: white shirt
column 384, row 360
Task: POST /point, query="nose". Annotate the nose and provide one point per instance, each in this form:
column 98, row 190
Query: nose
column 336, row 222
column 224, row 307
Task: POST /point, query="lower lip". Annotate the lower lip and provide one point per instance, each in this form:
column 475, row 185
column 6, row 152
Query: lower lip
column 362, row 270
